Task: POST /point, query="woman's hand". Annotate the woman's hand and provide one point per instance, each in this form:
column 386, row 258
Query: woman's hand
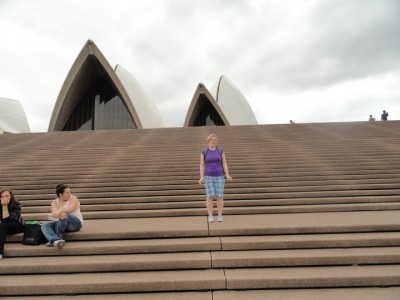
column 5, row 201
column 201, row 180
column 63, row 216
column 5, row 212
column 228, row 177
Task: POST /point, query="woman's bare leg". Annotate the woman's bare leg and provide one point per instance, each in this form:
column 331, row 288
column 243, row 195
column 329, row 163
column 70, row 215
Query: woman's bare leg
column 209, row 203
column 220, row 205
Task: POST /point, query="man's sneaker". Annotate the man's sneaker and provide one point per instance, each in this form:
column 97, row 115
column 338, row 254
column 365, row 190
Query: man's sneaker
column 210, row 219
column 220, row 218
column 50, row 244
column 1, row 256
column 59, row 244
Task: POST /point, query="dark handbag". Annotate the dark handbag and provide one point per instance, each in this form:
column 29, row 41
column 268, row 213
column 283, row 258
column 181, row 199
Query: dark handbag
column 33, row 233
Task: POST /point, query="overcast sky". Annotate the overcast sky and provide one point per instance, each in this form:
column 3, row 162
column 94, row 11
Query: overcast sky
column 307, row 61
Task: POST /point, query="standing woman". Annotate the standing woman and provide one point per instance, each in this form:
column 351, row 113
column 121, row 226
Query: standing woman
column 65, row 210
column 10, row 217
column 213, row 166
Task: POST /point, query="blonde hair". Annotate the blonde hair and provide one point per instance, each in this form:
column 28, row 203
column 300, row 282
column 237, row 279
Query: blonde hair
column 211, row 136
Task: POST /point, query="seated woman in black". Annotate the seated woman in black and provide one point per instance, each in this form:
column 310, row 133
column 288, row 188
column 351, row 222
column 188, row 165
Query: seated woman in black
column 10, row 217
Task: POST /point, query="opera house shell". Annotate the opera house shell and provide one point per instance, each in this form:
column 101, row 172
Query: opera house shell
column 95, row 96
column 223, row 105
column 12, row 117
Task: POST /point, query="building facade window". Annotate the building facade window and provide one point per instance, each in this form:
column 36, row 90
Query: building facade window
column 100, row 108
column 207, row 114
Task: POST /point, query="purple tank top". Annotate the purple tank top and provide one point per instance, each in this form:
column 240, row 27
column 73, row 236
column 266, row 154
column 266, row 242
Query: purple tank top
column 214, row 163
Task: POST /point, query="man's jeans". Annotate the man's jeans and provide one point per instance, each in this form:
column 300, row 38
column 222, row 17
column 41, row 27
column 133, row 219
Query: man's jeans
column 54, row 231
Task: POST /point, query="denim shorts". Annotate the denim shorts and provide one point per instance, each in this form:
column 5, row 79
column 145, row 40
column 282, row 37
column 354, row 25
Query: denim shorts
column 214, row 186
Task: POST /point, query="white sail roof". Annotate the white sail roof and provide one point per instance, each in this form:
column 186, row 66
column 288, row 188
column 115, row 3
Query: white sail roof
column 12, row 117
column 232, row 102
column 146, row 110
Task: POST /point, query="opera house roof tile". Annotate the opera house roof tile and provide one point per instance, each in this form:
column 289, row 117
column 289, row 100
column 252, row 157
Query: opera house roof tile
column 146, row 110
column 233, row 103
column 12, row 117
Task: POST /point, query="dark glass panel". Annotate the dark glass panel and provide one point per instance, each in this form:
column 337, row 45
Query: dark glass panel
column 81, row 118
column 208, row 115
column 100, row 108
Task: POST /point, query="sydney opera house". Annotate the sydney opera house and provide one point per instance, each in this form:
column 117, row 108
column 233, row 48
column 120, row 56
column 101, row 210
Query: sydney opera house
column 97, row 96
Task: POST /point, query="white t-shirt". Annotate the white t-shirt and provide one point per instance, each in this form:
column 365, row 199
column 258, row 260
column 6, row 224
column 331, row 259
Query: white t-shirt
column 76, row 212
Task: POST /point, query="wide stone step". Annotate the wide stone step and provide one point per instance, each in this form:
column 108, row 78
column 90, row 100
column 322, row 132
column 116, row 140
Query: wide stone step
column 203, row 295
column 230, row 194
column 366, row 293
column 106, row 263
column 374, row 293
column 43, row 206
column 298, row 241
column 311, row 277
column 330, row 222
column 227, row 211
column 46, row 186
column 115, row 282
column 242, row 200
column 123, row 247
column 166, row 172
column 195, row 280
column 301, row 241
column 200, row 260
column 233, row 225
column 122, row 181
column 199, row 190
column 360, row 190
column 309, row 257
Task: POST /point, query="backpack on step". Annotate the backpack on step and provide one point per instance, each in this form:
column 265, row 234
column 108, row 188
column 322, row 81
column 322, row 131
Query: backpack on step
column 33, row 234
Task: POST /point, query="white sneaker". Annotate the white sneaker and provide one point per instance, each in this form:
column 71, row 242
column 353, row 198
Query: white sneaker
column 59, row 244
column 1, row 256
column 50, row 244
column 210, row 219
column 220, row 218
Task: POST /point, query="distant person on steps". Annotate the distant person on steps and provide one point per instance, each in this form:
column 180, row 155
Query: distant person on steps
column 66, row 216
column 371, row 118
column 10, row 217
column 213, row 167
column 384, row 116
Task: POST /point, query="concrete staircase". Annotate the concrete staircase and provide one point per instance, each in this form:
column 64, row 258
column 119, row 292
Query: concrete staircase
column 313, row 212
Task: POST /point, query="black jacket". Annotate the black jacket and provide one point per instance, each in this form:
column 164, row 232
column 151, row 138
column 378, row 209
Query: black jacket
column 15, row 213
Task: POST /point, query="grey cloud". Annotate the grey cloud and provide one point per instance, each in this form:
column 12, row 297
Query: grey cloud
column 336, row 41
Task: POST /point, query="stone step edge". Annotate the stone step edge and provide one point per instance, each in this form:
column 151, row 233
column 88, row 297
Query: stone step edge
column 214, row 279
column 200, row 260
column 386, row 293
column 165, row 245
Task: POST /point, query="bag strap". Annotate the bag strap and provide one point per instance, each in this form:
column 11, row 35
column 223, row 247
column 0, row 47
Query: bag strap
column 205, row 150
